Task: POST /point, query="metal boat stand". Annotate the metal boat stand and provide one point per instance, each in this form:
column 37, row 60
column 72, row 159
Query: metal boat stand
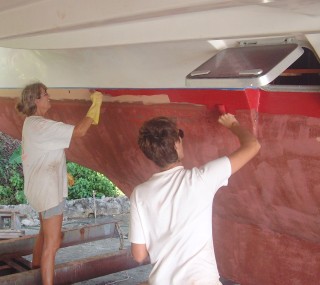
column 13, row 220
column 15, row 269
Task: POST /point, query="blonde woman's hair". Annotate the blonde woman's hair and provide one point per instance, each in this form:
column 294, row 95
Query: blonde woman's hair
column 29, row 95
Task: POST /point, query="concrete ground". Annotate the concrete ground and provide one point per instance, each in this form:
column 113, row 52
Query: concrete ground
column 128, row 277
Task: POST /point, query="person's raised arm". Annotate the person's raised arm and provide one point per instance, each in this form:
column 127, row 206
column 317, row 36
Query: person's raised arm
column 249, row 145
column 92, row 116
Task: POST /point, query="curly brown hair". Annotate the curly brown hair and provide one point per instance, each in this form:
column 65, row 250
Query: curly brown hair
column 157, row 138
column 29, row 94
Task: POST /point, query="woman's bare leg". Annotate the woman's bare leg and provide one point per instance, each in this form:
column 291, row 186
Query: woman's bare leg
column 37, row 248
column 51, row 242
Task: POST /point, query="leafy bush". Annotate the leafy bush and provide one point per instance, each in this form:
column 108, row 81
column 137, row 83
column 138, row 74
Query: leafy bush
column 6, row 197
column 86, row 181
column 11, row 178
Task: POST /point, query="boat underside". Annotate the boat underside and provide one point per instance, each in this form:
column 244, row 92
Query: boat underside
column 266, row 221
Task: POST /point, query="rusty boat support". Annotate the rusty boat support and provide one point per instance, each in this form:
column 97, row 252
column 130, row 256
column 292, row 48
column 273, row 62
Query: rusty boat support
column 15, row 269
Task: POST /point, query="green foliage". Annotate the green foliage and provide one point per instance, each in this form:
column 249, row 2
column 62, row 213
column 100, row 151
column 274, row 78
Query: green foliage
column 6, row 197
column 20, row 197
column 16, row 156
column 11, row 180
column 86, row 181
column 17, row 184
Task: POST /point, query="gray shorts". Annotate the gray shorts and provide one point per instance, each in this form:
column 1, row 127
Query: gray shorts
column 57, row 210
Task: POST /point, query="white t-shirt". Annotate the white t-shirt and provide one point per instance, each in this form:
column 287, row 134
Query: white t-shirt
column 172, row 214
column 44, row 161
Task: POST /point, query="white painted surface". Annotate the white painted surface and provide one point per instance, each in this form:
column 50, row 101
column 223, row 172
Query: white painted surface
column 134, row 44
column 135, row 66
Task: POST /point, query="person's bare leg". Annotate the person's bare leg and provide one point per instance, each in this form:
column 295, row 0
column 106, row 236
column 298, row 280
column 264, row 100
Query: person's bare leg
column 37, row 248
column 51, row 243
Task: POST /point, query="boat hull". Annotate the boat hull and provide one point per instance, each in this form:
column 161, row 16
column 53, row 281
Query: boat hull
column 266, row 221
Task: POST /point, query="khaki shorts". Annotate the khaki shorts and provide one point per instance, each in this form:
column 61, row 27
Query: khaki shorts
column 55, row 211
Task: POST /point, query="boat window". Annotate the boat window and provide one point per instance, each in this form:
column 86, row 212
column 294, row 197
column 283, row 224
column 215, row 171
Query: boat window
column 277, row 66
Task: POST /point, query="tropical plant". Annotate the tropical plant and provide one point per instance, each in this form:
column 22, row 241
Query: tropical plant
column 86, row 181
column 11, row 178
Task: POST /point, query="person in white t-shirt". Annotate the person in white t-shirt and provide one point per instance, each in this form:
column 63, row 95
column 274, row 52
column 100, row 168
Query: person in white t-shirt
column 44, row 168
column 171, row 213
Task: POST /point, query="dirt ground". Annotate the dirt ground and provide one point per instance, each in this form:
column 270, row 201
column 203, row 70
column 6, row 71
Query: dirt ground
column 127, row 277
